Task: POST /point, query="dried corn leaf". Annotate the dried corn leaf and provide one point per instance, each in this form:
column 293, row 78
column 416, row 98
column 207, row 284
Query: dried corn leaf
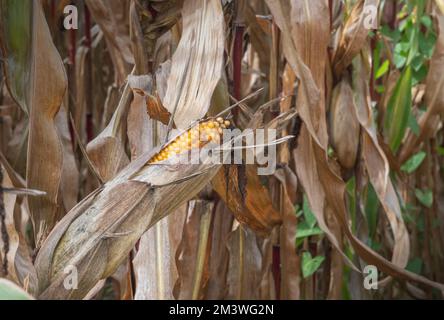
column 218, row 264
column 197, row 62
column 268, row 282
column 14, row 251
column 244, row 270
column 154, row 264
column 70, row 174
column 142, row 87
column 378, row 167
column 245, row 195
column 304, row 27
column 194, row 252
column 112, row 17
column 314, row 27
column 106, row 151
column 290, row 260
column 46, row 91
column 354, row 34
column 153, row 280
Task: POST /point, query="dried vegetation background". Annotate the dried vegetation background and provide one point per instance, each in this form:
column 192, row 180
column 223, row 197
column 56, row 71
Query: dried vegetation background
column 82, row 111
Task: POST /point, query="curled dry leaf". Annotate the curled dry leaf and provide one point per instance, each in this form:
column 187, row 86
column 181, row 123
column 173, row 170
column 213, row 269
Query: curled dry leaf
column 70, row 174
column 331, row 189
column 106, row 151
column 142, row 87
column 354, row 34
column 241, row 189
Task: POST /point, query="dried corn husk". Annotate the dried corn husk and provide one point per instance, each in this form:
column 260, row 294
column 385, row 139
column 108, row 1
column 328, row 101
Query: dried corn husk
column 344, row 126
column 101, row 230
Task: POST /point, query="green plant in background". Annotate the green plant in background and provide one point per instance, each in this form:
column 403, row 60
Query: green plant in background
column 307, row 225
column 10, row 291
column 414, row 40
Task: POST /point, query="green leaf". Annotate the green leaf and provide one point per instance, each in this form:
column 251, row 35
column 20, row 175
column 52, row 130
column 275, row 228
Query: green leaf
column 371, row 210
column 440, row 151
column 308, row 214
column 380, row 89
column 413, row 124
column 419, row 75
column 398, row 109
column 413, row 162
column 382, row 69
column 415, row 265
column 310, row 265
column 427, row 44
column 303, row 230
column 414, row 45
column 425, row 197
column 426, row 21
column 400, row 55
column 297, row 210
column 394, row 35
column 10, row 291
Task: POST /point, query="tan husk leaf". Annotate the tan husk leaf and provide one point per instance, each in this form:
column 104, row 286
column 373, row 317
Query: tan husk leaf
column 344, row 127
column 101, row 230
column 106, row 151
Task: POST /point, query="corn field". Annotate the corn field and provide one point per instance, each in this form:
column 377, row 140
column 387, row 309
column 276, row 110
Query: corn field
column 98, row 96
